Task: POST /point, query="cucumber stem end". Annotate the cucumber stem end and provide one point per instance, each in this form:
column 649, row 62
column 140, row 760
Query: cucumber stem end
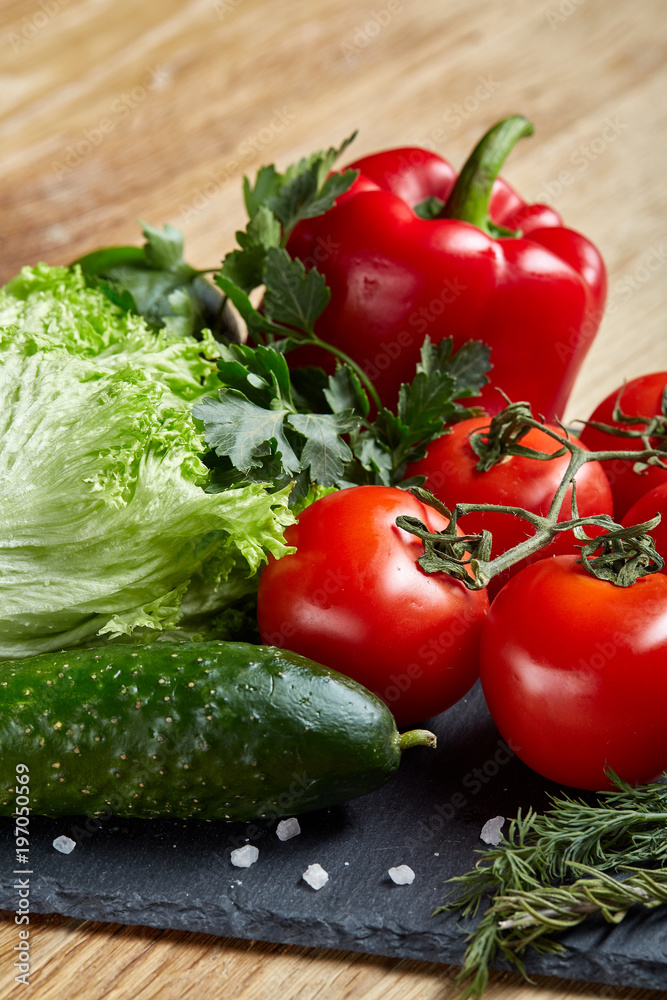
column 417, row 738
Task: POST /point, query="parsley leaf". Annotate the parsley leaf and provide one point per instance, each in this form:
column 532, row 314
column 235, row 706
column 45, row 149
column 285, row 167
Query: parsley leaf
column 156, row 282
column 246, row 432
column 325, row 452
column 254, row 424
column 276, row 203
column 261, row 373
column 245, row 266
column 267, row 184
column 306, row 197
column 294, row 297
column 425, row 407
column 468, row 366
column 305, row 191
column 163, row 250
column 304, row 425
column 430, row 401
column 344, row 391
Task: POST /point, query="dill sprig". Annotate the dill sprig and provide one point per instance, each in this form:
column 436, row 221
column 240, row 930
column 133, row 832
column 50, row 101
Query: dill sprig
column 615, row 845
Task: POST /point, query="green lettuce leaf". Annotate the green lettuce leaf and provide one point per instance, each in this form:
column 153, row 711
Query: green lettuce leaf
column 105, row 526
column 57, row 308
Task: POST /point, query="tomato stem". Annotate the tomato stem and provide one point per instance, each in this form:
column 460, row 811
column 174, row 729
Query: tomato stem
column 627, row 552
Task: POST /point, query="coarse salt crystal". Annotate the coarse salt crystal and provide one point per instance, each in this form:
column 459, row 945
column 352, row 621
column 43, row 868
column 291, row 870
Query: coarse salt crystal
column 402, row 875
column 288, row 828
column 315, row 876
column 64, row 845
column 491, row 831
column 243, row 857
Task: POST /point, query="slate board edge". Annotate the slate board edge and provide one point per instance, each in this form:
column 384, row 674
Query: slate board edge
column 438, row 948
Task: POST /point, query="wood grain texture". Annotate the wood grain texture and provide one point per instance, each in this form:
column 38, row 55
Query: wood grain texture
column 91, row 961
column 114, row 111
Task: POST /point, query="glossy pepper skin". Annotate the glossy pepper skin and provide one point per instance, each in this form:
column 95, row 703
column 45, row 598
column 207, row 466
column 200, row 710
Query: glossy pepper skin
column 535, row 298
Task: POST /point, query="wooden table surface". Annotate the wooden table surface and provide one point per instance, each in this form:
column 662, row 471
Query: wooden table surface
column 119, row 110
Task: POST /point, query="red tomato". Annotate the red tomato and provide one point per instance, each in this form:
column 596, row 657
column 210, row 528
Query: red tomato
column 641, row 397
column 652, row 503
column 451, row 475
column 573, row 672
column 353, row 597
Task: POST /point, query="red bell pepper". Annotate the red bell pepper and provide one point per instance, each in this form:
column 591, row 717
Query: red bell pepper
column 483, row 266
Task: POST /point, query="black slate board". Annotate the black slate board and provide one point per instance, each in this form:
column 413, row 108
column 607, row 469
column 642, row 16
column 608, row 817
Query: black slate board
column 175, row 874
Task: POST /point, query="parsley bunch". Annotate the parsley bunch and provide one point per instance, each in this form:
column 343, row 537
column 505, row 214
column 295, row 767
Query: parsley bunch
column 270, row 423
column 155, row 281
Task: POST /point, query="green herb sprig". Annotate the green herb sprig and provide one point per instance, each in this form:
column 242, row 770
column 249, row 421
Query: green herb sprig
column 274, row 423
column 270, row 424
column 618, row 848
column 154, row 281
column 293, row 296
column 276, row 203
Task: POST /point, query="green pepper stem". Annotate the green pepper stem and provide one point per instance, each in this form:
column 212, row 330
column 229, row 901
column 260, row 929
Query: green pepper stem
column 471, row 195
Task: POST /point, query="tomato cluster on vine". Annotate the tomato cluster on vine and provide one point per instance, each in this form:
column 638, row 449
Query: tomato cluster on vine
column 571, row 664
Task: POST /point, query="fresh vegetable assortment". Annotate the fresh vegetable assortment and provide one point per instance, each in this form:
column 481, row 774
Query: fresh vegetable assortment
column 315, row 476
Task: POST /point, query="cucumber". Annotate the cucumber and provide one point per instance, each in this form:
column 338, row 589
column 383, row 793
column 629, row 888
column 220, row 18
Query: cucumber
column 212, row 730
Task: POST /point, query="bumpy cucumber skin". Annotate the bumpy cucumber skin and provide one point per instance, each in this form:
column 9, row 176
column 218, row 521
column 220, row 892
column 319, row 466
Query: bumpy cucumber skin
column 212, row 730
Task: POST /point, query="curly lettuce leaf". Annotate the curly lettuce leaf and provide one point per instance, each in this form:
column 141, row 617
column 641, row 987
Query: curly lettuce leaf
column 106, row 529
column 56, row 307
